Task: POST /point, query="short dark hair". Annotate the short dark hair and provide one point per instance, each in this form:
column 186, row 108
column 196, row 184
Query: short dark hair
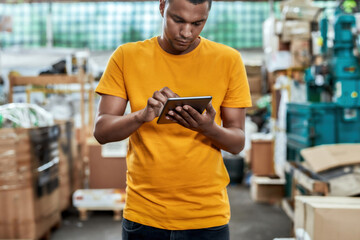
column 195, row 2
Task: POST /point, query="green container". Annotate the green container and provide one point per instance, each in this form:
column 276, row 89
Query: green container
column 311, row 124
column 348, row 125
column 293, row 149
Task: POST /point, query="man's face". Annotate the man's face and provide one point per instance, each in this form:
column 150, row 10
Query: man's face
column 183, row 23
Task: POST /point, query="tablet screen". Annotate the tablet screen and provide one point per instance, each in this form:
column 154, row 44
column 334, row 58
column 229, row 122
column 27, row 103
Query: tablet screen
column 199, row 103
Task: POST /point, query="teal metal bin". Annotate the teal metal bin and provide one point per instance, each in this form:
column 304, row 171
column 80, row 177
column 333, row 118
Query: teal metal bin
column 348, row 125
column 311, row 124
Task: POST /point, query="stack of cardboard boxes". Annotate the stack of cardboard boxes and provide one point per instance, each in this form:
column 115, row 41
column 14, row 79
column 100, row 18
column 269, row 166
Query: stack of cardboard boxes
column 29, row 192
column 289, row 41
column 255, row 84
column 288, row 47
column 291, row 35
column 336, row 164
column 332, row 171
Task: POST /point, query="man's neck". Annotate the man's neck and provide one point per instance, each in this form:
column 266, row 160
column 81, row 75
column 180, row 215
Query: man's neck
column 167, row 47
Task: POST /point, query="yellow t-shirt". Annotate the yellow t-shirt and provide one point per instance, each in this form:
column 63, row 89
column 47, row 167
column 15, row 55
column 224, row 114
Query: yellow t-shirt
column 176, row 179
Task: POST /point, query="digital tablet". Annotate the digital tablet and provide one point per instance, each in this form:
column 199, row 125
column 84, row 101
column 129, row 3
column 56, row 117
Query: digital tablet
column 198, row 103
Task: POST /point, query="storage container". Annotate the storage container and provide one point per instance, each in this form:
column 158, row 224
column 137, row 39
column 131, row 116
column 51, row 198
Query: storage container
column 311, row 124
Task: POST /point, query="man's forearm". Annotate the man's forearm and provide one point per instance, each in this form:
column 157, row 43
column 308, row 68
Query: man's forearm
column 229, row 139
column 112, row 128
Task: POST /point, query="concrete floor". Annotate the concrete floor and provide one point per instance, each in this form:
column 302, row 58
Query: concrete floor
column 249, row 221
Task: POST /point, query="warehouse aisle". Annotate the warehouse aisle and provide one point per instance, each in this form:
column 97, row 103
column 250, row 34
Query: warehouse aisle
column 250, row 221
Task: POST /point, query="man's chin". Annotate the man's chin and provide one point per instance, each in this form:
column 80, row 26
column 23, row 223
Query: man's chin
column 181, row 48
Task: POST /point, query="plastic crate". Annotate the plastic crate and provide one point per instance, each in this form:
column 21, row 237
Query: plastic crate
column 311, row 124
column 348, row 125
column 293, row 149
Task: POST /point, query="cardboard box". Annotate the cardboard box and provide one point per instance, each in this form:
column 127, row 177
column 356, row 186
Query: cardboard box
column 13, row 180
column 267, row 190
column 295, row 29
column 64, row 192
column 299, row 9
column 28, row 189
column 343, row 181
column 271, row 29
column 262, row 155
column 21, row 205
column 65, row 159
column 300, row 51
column 324, row 157
column 253, row 70
column 254, row 77
column 78, row 174
column 30, row 229
column 255, row 84
column 15, row 151
column 330, row 218
column 71, row 162
column 17, row 205
column 105, row 172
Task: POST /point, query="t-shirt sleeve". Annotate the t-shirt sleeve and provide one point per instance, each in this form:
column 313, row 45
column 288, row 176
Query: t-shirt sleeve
column 112, row 80
column 238, row 92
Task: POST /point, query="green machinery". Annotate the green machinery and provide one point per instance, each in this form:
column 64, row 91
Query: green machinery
column 332, row 113
column 339, row 75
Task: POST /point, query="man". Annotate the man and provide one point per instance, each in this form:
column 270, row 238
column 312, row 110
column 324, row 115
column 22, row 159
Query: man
column 176, row 178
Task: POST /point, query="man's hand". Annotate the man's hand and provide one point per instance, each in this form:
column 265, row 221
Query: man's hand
column 192, row 119
column 156, row 103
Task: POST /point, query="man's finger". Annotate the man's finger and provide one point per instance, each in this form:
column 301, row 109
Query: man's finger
column 160, row 97
column 192, row 112
column 177, row 115
column 168, row 92
column 155, row 105
column 187, row 115
column 210, row 109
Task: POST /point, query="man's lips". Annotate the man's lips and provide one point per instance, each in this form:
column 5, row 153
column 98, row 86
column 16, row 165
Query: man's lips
column 183, row 42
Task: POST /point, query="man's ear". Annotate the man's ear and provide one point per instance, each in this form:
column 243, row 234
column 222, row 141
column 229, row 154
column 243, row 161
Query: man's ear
column 162, row 7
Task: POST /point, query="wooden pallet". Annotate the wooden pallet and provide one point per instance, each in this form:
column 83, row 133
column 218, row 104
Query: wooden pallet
column 304, row 178
column 47, row 234
column 83, row 212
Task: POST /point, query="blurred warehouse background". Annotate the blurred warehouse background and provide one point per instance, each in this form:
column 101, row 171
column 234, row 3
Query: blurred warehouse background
column 298, row 176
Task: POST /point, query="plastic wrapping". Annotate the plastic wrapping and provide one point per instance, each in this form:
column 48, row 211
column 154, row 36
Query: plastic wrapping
column 24, row 115
column 30, row 156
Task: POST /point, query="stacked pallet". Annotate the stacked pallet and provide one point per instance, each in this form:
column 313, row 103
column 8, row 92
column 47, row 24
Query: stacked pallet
column 29, row 192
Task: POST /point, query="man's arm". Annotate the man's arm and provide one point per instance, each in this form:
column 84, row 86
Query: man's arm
column 110, row 123
column 229, row 137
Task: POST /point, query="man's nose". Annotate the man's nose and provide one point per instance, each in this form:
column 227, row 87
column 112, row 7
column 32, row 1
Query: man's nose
column 186, row 31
